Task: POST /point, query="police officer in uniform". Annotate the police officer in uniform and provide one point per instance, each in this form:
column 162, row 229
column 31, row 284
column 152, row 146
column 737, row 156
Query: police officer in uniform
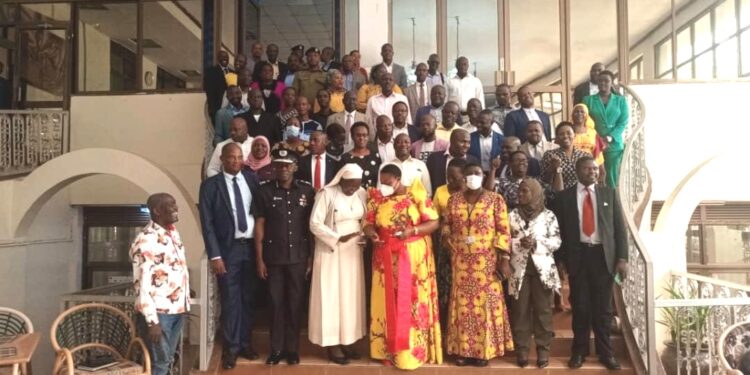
column 308, row 82
column 283, row 251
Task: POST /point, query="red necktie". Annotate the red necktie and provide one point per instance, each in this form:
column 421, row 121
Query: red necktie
column 588, row 214
column 316, row 179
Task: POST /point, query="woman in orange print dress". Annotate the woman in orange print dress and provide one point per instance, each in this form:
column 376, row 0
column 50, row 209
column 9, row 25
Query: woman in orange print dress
column 477, row 232
column 404, row 325
column 586, row 138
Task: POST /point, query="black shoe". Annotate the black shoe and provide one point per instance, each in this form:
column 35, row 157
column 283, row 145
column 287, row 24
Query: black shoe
column 610, row 363
column 228, row 360
column 479, row 362
column 350, row 353
column 338, row 358
column 576, row 361
column 522, row 360
column 275, row 358
column 542, row 358
column 292, row 358
column 249, row 353
column 461, row 361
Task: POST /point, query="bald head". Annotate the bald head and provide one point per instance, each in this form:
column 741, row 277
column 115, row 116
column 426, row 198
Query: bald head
column 238, row 129
column 384, row 128
column 459, row 143
column 510, row 145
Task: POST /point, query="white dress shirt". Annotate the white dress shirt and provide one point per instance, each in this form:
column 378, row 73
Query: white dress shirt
column 322, row 169
column 485, row 150
column 436, row 79
column 593, row 88
column 412, row 169
column 537, row 151
column 460, row 90
column 214, row 165
column 469, row 127
column 397, row 131
column 388, row 68
column 386, row 151
column 383, row 105
column 581, row 190
column 247, row 198
column 531, row 114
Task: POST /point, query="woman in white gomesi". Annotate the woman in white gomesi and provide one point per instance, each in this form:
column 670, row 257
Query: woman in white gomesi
column 535, row 237
column 337, row 295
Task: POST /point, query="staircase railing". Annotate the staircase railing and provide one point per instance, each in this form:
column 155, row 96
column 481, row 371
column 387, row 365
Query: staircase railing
column 635, row 298
column 29, row 138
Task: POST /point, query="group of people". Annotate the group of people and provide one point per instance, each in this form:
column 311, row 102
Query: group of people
column 419, row 218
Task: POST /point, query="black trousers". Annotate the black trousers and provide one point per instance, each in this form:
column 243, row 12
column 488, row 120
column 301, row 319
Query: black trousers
column 591, row 300
column 238, row 288
column 286, row 284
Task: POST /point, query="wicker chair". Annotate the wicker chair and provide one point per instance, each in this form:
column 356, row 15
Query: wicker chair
column 14, row 322
column 734, row 342
column 96, row 329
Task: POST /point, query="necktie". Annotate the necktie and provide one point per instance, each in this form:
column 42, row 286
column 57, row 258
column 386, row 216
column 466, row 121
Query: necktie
column 421, row 95
column 316, row 179
column 239, row 206
column 348, row 122
column 588, row 214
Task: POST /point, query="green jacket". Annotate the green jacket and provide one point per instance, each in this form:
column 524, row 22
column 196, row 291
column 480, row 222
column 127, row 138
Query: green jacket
column 610, row 120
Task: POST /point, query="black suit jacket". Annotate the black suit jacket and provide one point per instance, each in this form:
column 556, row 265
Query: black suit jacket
column 215, row 87
column 610, row 224
column 305, row 172
column 268, row 126
column 436, row 163
column 580, row 92
column 217, row 219
column 516, row 123
column 282, row 72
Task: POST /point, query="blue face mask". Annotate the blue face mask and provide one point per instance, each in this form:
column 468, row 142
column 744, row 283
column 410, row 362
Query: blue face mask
column 292, row 131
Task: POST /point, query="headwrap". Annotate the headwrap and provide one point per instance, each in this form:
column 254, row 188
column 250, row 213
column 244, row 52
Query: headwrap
column 588, row 121
column 254, row 163
column 349, row 171
column 536, row 205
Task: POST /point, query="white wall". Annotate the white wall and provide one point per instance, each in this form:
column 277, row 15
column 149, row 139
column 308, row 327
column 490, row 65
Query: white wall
column 94, row 57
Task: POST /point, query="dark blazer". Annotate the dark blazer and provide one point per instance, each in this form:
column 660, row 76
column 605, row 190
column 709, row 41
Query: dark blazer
column 610, row 224
column 399, row 75
column 305, row 172
column 516, row 122
column 581, row 91
column 437, row 162
column 268, row 126
column 497, row 144
column 217, row 220
column 414, row 133
column 282, row 72
column 215, row 87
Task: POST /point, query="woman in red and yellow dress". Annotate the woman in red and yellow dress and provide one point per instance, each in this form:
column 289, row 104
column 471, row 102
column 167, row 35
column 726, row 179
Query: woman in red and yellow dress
column 477, row 232
column 586, row 138
column 404, row 324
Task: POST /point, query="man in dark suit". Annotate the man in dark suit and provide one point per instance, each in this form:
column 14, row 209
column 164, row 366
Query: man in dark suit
column 589, row 87
column 400, row 111
column 353, row 79
column 227, row 223
column 214, row 83
column 437, row 162
column 516, row 121
column 318, row 168
column 398, row 71
column 594, row 249
column 283, row 242
column 328, row 59
column 485, row 144
column 260, row 122
column 279, row 67
column 510, row 145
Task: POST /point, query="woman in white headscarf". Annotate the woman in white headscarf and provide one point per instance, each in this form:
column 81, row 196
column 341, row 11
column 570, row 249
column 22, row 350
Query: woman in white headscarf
column 337, row 295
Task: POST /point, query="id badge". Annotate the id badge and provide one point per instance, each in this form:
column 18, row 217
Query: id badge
column 470, row 240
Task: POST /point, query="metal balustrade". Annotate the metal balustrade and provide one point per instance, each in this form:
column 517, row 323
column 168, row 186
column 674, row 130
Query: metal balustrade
column 29, row 138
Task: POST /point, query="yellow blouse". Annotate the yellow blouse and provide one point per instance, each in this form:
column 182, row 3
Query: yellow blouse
column 336, row 104
column 442, row 194
column 587, row 142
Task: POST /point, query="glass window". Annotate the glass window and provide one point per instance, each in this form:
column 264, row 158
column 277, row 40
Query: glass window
column 593, row 39
column 727, row 244
column 726, row 22
column 229, row 26
column 535, row 42
column 684, row 46
column 745, row 13
column 703, row 35
column 414, row 32
column 650, row 36
column 685, row 71
column 745, row 49
column 106, row 38
column 726, row 59
column 693, row 244
column 45, row 12
column 704, row 66
column 172, row 50
column 472, row 32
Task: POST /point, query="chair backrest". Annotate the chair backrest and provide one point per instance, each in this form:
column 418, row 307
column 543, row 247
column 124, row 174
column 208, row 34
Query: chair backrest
column 92, row 323
column 14, row 322
column 734, row 342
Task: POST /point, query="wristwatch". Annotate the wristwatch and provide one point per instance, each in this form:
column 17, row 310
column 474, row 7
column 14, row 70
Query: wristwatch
column 559, row 170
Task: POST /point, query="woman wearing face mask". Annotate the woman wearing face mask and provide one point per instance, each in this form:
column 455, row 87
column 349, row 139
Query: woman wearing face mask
column 477, row 234
column 337, row 294
column 293, row 139
column 404, row 327
column 259, row 160
column 535, row 237
column 367, row 159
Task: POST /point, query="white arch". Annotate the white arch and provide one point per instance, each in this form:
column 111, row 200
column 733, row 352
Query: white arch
column 33, row 191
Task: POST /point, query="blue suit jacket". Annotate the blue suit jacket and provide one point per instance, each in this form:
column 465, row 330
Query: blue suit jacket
column 497, row 145
column 517, row 121
column 217, row 219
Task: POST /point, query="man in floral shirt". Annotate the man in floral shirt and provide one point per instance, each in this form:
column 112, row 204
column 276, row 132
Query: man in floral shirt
column 160, row 278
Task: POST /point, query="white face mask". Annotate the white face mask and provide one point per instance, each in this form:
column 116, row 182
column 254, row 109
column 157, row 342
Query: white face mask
column 473, row 182
column 386, row 190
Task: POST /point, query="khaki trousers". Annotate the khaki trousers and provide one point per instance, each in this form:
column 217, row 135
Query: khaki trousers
column 532, row 312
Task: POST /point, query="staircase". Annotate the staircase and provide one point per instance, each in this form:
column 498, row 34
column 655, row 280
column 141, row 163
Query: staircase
column 314, row 360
